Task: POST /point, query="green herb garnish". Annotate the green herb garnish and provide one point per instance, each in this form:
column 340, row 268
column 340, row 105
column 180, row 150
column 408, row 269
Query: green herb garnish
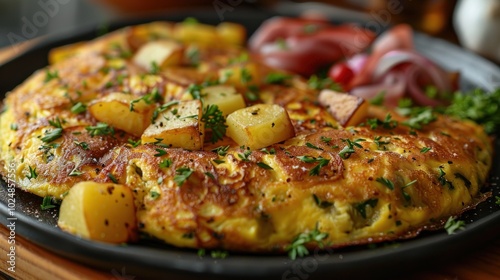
column 386, row 182
column 298, row 248
column 47, row 203
column 181, row 175
column 214, row 120
column 100, row 129
column 452, row 225
column 361, row 207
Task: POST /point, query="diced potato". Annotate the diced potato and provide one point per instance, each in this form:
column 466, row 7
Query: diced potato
column 114, row 109
column 140, row 34
column 61, row 53
column 347, row 109
column 225, row 97
column 193, row 32
column 99, row 211
column 259, row 126
column 162, row 53
column 178, row 126
column 240, row 76
column 231, row 33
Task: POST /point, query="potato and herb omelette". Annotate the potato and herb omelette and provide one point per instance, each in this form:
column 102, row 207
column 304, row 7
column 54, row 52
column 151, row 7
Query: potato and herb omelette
column 175, row 131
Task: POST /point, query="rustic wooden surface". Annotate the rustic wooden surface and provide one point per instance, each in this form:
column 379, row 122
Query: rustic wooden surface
column 34, row 262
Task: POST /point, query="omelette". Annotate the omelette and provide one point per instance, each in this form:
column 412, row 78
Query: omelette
column 385, row 176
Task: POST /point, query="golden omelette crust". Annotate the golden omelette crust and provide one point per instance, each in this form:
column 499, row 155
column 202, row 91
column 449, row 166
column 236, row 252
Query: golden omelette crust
column 230, row 201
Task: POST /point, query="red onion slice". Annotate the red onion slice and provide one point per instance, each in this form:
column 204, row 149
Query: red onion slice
column 414, row 90
column 357, row 62
column 393, row 58
column 393, row 84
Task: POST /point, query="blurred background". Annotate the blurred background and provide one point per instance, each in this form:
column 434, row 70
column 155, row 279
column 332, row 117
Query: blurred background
column 471, row 23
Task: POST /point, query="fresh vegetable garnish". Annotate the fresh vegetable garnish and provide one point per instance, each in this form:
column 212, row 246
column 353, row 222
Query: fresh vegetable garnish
column 215, row 121
column 182, row 174
column 452, row 225
column 479, row 106
column 298, row 248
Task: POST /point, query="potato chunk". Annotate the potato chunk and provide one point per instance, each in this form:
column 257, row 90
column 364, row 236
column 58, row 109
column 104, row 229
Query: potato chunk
column 114, row 109
column 62, row 53
column 225, row 97
column 162, row 54
column 240, row 76
column 98, row 211
column 138, row 35
column 178, row 125
column 194, row 32
column 347, row 109
column 259, row 126
column 231, row 33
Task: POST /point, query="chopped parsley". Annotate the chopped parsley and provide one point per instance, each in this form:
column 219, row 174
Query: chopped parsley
column 298, row 248
column 221, row 150
column 452, row 225
column 386, row 182
column 133, row 143
column 52, row 135
column 387, row 123
column 322, row 162
column 166, row 163
column 154, row 194
column 149, row 98
column 317, row 83
column 310, row 145
column 425, row 150
column 160, row 153
column 193, row 55
column 82, row 145
column 78, row 108
column 361, row 207
column 155, row 68
column 325, row 140
column 277, row 78
column 214, row 120
column 181, row 175
column 112, row 178
column 378, row 100
column 497, row 202
column 265, row 166
column 245, row 76
column 272, row 151
column 479, row 106
column 322, row 203
column 100, row 129
column 47, row 203
column 32, row 173
column 346, row 152
column 51, row 75
column 442, row 180
column 244, row 156
column 406, row 196
column 195, row 91
column 210, row 175
column 13, row 126
column 75, row 172
column 243, row 57
column 217, row 254
column 381, row 143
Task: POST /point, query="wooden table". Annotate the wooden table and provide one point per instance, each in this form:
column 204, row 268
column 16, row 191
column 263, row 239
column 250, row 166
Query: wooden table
column 34, row 262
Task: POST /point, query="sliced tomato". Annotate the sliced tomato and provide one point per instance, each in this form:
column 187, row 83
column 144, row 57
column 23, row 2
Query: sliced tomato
column 341, row 74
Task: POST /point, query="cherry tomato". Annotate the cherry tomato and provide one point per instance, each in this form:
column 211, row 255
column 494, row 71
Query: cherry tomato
column 341, row 74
